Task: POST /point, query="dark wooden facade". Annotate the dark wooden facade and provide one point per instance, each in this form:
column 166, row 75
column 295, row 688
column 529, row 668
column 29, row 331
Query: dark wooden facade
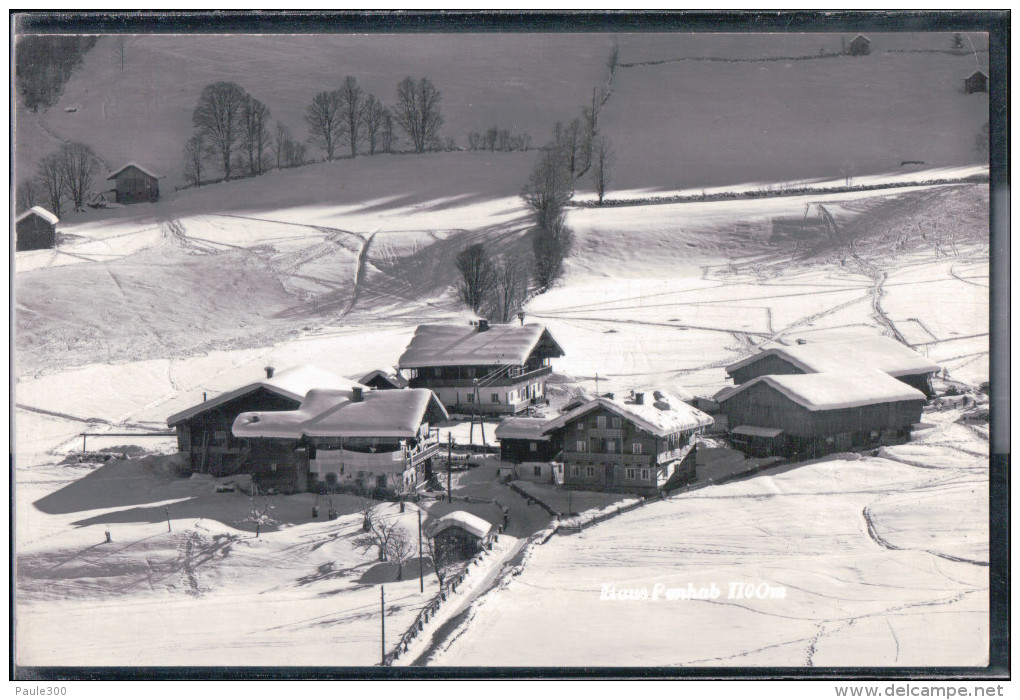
column 771, row 364
column 860, row 46
column 34, row 232
column 458, row 543
column 975, row 82
column 133, row 185
column 604, row 451
column 206, row 441
column 807, row 433
column 517, row 450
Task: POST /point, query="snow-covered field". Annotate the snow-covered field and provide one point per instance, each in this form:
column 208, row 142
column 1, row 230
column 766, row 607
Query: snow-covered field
column 199, row 292
column 848, row 561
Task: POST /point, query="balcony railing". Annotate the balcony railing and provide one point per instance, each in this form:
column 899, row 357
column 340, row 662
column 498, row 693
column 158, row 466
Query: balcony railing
column 424, row 381
column 606, row 433
column 378, row 462
column 607, row 457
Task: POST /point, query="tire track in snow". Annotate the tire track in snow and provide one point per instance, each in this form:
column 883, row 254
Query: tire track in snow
column 882, row 542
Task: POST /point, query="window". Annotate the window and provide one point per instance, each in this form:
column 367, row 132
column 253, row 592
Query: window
column 495, row 398
column 610, row 446
column 470, row 398
column 581, row 447
column 644, row 474
column 590, row 471
column 538, row 470
column 580, row 426
column 575, row 470
column 600, row 421
column 636, row 448
column 437, row 372
column 533, row 446
column 630, row 472
column 617, row 422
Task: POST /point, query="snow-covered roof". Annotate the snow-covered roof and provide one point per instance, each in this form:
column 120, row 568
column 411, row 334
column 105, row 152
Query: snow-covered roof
column 828, row 391
column 867, row 352
column 46, row 214
column 977, row 72
column 292, row 383
column 479, row 527
column 520, row 428
column 660, row 414
column 397, row 413
column 390, row 374
column 444, row 344
column 133, row 164
column 324, row 413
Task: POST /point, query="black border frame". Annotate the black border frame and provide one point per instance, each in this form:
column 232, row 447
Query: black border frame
column 996, row 23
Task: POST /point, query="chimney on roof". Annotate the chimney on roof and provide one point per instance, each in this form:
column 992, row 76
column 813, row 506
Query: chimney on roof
column 801, row 341
column 356, row 394
column 269, row 371
column 483, row 325
column 639, row 398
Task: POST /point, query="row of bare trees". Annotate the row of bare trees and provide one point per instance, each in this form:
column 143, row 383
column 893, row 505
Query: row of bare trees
column 492, row 287
column 65, row 176
column 497, row 139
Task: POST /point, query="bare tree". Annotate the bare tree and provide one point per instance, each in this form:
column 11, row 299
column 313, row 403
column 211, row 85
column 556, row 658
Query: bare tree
column 324, row 121
column 352, row 110
column 29, row 194
column 490, row 138
column 367, row 507
column 400, row 547
column 847, row 170
column 219, row 115
column 387, row 137
column 294, row 153
column 417, row 111
column 590, row 125
column 510, row 288
column 80, row 166
column 572, row 145
column 119, row 44
column 255, row 135
column 547, row 193
column 50, row 178
column 259, row 508
column 379, row 535
column 375, row 114
column 602, row 159
column 195, row 152
column 477, row 276
column 474, row 140
column 441, row 559
column 281, row 135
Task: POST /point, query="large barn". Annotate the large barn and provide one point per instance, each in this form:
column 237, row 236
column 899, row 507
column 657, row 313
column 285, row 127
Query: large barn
column 641, row 444
column 809, row 415
column 135, row 183
column 36, row 229
column 489, row 369
column 869, row 352
column 204, row 435
column 352, row 439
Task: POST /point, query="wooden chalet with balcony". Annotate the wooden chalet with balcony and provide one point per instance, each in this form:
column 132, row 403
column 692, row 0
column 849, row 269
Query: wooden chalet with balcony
column 204, row 435
column 485, row 369
column 642, row 444
column 810, row 415
column 374, row 441
column 865, row 353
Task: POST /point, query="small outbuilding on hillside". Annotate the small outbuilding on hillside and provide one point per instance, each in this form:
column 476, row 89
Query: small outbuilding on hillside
column 36, row 229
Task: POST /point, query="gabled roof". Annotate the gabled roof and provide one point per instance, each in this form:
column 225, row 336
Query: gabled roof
column 829, row 391
column 479, row 527
column 860, row 36
column 389, row 374
column 397, row 413
column 46, row 214
column 324, row 413
column 444, row 345
column 521, row 428
column 133, row 164
column 977, row 73
column 660, row 415
column 869, row 352
column 292, row 383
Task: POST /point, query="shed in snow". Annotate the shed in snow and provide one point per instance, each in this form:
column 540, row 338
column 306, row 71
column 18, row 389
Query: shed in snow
column 975, row 82
column 36, row 229
column 460, row 533
column 809, row 415
column 859, row 46
column 862, row 353
column 135, row 183
column 348, row 439
column 204, row 435
column 490, row 369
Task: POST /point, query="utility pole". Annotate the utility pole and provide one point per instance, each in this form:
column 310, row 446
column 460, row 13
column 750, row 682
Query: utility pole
column 421, row 564
column 449, row 467
column 596, row 385
column 166, row 509
column 382, row 621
